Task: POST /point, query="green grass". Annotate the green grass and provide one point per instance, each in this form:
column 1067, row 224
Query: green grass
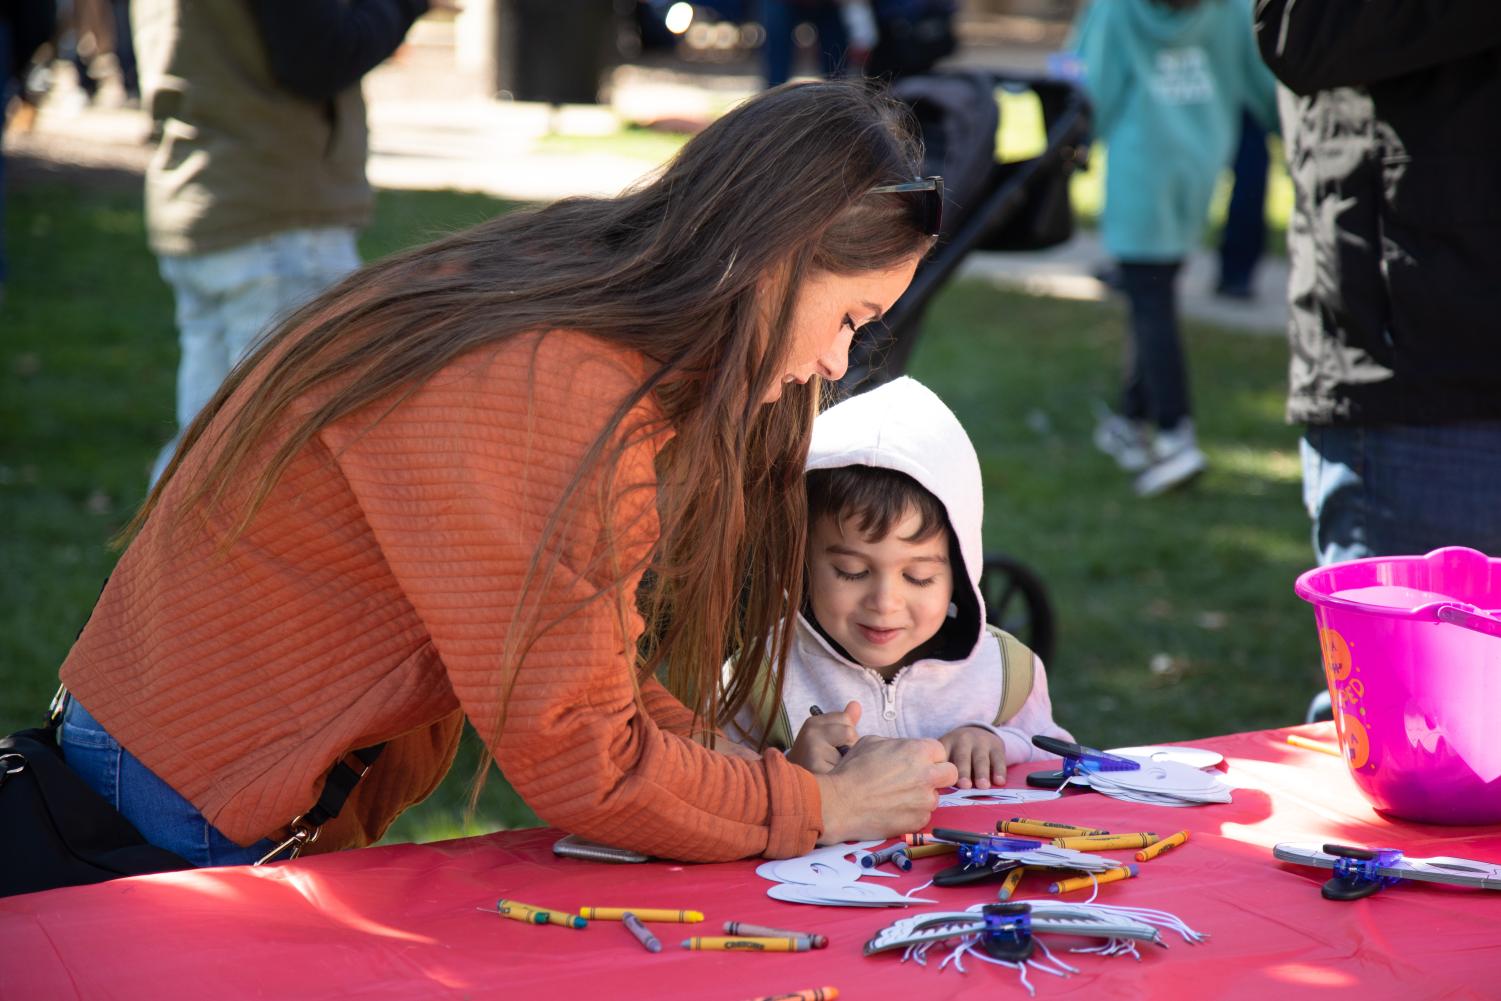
column 1200, row 581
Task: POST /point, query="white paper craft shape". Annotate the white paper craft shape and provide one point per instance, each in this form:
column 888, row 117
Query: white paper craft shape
column 831, row 876
column 849, row 895
column 1193, row 757
column 994, row 797
column 1164, row 783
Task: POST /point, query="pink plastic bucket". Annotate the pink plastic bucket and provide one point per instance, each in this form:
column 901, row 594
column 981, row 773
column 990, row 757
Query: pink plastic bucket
column 1412, row 655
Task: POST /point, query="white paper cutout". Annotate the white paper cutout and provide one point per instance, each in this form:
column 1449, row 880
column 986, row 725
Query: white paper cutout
column 1164, row 783
column 994, row 797
column 848, row 895
column 1193, row 757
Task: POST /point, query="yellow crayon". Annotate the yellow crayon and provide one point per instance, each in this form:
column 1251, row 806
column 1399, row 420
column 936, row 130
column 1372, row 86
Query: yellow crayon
column 520, row 912
column 1009, row 884
column 1315, row 745
column 1152, row 851
column 739, row 929
column 539, row 915
column 1088, row 882
column 659, row 914
column 1045, row 829
column 1108, row 842
column 923, row 851
column 746, row 944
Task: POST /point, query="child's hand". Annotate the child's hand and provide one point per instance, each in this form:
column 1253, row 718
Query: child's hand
column 978, row 754
column 818, row 742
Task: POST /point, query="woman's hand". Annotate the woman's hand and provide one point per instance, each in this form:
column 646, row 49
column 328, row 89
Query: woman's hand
column 818, row 743
column 979, row 756
column 883, row 788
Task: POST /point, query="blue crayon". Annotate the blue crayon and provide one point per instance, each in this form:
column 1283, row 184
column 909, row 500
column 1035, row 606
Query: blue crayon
column 643, row 934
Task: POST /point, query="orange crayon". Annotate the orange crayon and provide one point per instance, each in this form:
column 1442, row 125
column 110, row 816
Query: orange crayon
column 1152, row 851
column 806, row 994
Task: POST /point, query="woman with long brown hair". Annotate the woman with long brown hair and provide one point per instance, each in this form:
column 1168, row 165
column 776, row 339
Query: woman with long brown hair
column 433, row 492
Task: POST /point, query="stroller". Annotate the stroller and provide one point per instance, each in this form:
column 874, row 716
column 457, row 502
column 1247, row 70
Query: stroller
column 1021, row 205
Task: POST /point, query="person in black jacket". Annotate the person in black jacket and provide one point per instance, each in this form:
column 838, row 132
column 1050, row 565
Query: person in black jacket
column 1391, row 118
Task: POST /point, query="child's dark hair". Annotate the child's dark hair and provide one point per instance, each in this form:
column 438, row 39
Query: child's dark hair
column 876, row 499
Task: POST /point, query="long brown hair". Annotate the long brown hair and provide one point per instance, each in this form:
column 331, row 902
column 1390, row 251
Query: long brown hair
column 681, row 269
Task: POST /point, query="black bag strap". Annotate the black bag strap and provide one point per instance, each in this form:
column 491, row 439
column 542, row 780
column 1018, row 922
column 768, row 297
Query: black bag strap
column 342, row 778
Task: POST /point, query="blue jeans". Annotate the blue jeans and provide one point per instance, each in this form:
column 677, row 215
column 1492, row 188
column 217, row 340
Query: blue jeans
column 226, row 299
column 1244, row 238
column 162, row 816
column 780, row 18
column 1156, row 388
column 1402, row 490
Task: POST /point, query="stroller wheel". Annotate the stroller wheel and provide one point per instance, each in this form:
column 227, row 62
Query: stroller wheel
column 1016, row 600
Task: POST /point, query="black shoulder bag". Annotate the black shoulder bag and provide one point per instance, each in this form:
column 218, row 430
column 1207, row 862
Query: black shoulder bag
column 55, row 830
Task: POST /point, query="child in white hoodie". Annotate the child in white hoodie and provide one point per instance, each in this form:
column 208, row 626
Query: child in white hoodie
column 893, row 640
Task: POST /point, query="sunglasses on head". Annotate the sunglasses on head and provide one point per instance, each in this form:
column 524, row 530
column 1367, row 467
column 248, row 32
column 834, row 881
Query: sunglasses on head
column 929, row 194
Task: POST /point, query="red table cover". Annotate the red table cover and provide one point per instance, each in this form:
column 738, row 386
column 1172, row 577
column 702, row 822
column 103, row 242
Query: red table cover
column 417, row 921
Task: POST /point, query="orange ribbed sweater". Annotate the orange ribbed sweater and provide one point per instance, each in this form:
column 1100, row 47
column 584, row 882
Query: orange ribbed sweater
column 370, row 600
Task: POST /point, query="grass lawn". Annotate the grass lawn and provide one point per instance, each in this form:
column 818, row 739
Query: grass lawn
column 1176, row 616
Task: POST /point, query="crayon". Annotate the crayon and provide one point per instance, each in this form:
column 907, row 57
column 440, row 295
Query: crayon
column 643, row 934
column 519, row 912
column 1009, row 884
column 1152, row 851
column 806, row 994
column 740, row 929
column 936, row 848
column 895, row 854
column 540, row 915
column 1089, row 882
column 748, row 944
column 1045, row 829
column 921, row 838
column 1315, row 745
column 661, row 914
column 1109, row 842
column 843, row 749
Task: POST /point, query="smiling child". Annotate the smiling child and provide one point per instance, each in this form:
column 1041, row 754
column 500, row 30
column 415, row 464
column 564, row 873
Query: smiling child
column 892, row 641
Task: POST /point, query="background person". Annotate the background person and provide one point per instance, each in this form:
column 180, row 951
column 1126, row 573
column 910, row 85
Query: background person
column 1391, row 118
column 257, row 189
column 1168, row 80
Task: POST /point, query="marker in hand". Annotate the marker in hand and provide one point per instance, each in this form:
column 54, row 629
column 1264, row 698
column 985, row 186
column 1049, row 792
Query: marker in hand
column 843, row 749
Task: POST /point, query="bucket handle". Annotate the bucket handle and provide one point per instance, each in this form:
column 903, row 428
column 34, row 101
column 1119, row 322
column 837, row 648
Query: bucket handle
column 1469, row 618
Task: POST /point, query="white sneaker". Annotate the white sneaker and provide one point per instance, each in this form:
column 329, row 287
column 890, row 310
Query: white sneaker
column 1176, row 459
column 1123, row 440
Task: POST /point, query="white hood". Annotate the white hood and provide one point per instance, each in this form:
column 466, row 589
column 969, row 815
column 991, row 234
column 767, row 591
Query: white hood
column 904, row 426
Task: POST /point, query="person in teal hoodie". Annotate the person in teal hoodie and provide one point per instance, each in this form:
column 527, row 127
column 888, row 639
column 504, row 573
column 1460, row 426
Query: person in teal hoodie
column 1169, row 80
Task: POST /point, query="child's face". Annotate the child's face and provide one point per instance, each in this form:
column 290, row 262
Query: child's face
column 879, row 600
